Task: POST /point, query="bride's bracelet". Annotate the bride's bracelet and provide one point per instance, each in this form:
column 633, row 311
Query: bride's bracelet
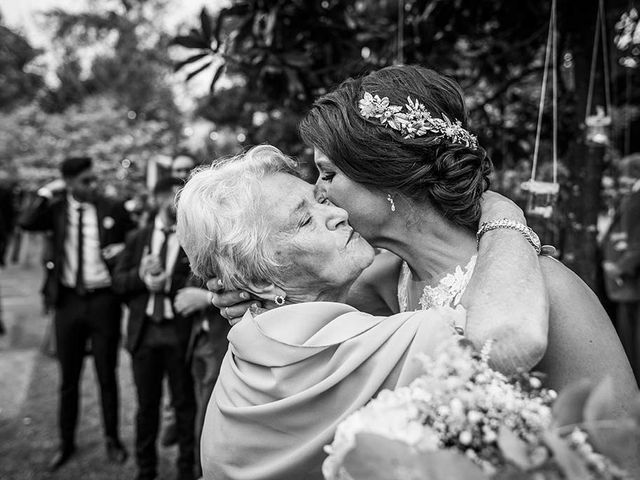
column 527, row 232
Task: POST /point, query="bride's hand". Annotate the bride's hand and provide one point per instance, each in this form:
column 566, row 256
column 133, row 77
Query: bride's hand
column 496, row 207
column 233, row 304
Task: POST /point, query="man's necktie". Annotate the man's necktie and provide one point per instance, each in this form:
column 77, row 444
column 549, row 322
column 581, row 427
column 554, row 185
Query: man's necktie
column 80, row 288
column 158, row 300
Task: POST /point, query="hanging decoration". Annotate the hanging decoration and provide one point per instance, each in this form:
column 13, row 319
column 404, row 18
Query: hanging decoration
column 627, row 41
column 543, row 195
column 627, row 38
column 598, row 123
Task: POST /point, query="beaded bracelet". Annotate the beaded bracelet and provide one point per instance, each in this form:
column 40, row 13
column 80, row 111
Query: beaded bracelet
column 527, row 232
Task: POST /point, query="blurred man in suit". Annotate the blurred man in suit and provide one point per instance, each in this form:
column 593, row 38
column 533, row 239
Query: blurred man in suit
column 149, row 273
column 208, row 342
column 181, row 166
column 621, row 253
column 207, row 347
column 87, row 231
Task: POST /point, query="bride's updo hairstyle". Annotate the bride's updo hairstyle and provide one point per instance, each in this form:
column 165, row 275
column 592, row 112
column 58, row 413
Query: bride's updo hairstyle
column 449, row 174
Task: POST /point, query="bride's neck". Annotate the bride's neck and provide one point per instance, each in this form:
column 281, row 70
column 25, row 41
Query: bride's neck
column 324, row 293
column 431, row 245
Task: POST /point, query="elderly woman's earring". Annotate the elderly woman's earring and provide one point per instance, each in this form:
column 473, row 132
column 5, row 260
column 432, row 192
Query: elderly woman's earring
column 390, row 200
column 279, row 300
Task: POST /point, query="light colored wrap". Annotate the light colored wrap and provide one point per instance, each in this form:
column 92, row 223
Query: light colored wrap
column 293, row 373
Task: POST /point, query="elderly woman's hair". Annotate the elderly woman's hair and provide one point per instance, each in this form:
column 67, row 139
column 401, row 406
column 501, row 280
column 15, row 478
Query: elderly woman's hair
column 450, row 175
column 222, row 226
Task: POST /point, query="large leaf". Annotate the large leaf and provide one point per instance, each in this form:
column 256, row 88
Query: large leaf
column 216, row 76
column 189, row 41
column 602, row 404
column 569, row 406
column 205, row 22
column 197, row 71
column 571, row 464
column 378, row 458
column 612, row 432
column 189, row 60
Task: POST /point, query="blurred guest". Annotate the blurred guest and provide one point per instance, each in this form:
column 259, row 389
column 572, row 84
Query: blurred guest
column 7, row 217
column 87, row 233
column 149, row 273
column 207, row 347
column 208, row 342
column 3, row 240
column 182, row 164
column 621, row 260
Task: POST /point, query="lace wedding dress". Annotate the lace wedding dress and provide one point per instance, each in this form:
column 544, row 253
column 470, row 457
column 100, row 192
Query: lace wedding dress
column 447, row 293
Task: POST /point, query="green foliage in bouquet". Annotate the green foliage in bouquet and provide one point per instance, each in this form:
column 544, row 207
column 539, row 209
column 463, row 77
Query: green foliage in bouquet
column 462, row 420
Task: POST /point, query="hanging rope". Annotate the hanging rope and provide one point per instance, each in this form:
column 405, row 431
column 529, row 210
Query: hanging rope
column 550, row 48
column 400, row 52
column 542, row 195
column 555, row 93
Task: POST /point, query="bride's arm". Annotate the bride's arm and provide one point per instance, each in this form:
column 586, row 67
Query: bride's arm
column 506, row 299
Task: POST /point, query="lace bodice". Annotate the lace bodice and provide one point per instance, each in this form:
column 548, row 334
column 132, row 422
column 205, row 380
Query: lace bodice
column 447, row 293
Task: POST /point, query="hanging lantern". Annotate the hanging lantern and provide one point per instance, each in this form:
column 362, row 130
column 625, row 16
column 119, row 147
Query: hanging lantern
column 598, row 127
column 542, row 197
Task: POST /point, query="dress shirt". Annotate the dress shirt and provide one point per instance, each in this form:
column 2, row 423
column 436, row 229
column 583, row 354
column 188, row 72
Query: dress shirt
column 173, row 248
column 95, row 272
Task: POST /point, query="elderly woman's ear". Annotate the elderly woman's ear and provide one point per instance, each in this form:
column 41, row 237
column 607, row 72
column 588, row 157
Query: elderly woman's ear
column 267, row 291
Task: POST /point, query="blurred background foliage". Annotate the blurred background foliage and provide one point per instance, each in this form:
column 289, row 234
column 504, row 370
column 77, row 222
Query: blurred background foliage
column 264, row 61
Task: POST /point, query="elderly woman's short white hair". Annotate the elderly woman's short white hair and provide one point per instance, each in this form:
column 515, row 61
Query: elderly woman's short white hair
column 222, row 225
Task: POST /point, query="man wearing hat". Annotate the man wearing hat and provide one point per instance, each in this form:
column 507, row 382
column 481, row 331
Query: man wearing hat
column 87, row 233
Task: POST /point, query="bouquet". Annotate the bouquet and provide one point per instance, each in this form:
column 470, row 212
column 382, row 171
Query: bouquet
column 463, row 420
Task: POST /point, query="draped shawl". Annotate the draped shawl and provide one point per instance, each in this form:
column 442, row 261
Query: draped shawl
column 292, row 374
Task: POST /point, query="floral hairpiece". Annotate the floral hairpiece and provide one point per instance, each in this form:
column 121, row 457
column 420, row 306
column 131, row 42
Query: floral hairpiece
column 416, row 121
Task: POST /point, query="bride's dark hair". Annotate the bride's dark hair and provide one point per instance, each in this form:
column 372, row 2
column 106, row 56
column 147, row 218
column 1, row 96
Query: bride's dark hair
column 449, row 175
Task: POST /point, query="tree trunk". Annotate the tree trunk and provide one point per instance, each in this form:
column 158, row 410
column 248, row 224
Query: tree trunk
column 585, row 162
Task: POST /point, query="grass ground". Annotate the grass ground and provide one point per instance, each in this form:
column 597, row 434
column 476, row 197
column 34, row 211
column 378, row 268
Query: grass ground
column 28, row 394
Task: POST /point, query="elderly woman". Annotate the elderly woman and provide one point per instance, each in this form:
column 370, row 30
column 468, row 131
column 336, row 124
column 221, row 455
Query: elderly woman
column 292, row 373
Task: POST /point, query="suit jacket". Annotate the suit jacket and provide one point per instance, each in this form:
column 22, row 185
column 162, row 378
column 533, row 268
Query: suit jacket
column 218, row 327
column 128, row 283
column 621, row 244
column 45, row 215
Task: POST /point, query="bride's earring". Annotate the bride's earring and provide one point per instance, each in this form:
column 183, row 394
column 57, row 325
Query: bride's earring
column 279, row 300
column 390, row 200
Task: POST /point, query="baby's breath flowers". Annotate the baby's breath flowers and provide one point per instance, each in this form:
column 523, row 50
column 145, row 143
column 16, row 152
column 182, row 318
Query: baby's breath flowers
column 460, row 404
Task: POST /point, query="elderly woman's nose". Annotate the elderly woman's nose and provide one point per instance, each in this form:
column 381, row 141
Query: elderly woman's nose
column 336, row 217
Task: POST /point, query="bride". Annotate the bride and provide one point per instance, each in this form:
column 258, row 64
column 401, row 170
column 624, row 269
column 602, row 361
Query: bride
column 393, row 150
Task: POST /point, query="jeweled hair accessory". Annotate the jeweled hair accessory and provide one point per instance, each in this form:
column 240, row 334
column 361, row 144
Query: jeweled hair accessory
column 415, row 120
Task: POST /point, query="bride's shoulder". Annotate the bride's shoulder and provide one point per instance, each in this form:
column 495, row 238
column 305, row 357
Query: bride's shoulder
column 565, row 288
